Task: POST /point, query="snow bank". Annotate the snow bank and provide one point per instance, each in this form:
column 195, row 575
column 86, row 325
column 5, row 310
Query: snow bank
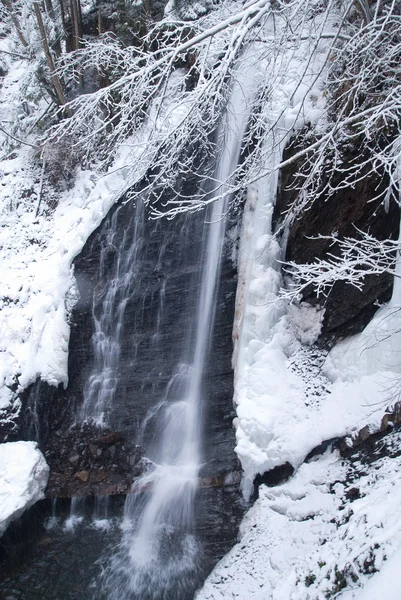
column 23, row 479
column 332, row 531
column 272, row 416
column 289, row 397
column 302, row 540
column 36, row 273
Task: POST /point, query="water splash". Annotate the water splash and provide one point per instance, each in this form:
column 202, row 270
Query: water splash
column 77, row 511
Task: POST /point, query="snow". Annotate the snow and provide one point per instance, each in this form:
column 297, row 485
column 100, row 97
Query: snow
column 314, row 537
column 23, row 478
column 285, row 409
column 302, row 540
column 36, row 273
column 307, row 538
column 289, row 396
column 386, row 584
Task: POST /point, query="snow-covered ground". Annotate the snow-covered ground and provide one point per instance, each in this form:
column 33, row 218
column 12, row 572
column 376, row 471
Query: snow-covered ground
column 23, row 479
column 326, row 533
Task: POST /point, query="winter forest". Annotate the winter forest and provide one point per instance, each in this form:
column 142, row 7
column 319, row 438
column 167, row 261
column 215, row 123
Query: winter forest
column 200, row 326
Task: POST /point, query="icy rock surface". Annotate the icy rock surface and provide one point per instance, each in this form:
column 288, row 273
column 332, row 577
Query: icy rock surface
column 23, row 478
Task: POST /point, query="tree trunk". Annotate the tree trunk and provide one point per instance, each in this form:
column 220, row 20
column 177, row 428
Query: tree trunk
column 99, row 21
column 52, row 15
column 76, row 24
column 55, row 80
column 50, row 9
column 16, row 24
column 62, row 11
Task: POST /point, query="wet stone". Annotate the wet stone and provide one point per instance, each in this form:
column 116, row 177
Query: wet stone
column 93, row 449
column 74, row 459
column 98, row 476
column 112, row 451
column 83, row 476
column 108, row 439
column 98, row 452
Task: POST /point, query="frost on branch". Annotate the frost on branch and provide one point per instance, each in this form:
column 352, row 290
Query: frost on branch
column 353, row 260
column 193, row 62
column 361, row 136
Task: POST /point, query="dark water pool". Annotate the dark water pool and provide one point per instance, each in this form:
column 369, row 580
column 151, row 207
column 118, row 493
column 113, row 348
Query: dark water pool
column 47, row 555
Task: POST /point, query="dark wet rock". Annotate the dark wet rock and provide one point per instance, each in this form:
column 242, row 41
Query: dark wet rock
column 108, row 474
column 112, row 438
column 170, row 268
column 82, row 476
column 98, row 476
column 348, row 310
column 353, row 494
column 369, row 435
column 93, row 449
column 321, row 448
column 275, row 476
column 74, row 459
column 31, row 418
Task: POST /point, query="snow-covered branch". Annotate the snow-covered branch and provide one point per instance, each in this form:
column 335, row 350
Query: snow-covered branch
column 359, row 134
column 334, row 72
column 351, row 260
column 194, row 62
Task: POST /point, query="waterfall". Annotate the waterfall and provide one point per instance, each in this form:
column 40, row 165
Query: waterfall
column 159, row 553
column 108, row 311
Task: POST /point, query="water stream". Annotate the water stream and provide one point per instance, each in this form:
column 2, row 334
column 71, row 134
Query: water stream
column 108, row 311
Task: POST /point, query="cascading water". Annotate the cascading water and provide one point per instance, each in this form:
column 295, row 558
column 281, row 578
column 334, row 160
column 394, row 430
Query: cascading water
column 108, row 311
column 159, row 554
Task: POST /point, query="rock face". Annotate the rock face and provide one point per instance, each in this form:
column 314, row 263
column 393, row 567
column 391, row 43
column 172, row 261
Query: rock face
column 160, row 307
column 348, row 310
column 88, row 462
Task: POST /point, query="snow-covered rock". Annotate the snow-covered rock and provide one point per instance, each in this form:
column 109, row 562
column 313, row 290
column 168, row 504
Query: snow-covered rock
column 23, row 479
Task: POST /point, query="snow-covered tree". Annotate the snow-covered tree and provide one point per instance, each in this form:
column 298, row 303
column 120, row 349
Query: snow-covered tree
column 359, row 84
column 336, row 64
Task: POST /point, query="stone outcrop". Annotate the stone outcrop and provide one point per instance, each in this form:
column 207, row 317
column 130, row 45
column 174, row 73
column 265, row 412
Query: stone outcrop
column 368, row 435
column 85, row 461
column 348, row 310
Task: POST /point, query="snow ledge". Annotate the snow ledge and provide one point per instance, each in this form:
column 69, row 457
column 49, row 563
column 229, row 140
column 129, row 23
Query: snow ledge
column 23, row 479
